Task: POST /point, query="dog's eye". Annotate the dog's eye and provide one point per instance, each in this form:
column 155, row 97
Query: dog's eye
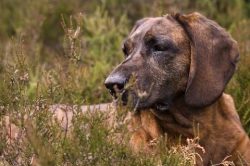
column 160, row 43
column 159, row 47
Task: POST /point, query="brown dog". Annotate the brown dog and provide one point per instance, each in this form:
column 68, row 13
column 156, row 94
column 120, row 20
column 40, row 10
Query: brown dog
column 181, row 65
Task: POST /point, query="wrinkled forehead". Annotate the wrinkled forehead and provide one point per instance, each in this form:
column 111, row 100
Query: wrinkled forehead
column 148, row 24
column 156, row 26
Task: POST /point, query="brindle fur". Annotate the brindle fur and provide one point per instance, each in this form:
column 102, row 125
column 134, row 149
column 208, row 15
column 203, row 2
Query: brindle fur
column 183, row 62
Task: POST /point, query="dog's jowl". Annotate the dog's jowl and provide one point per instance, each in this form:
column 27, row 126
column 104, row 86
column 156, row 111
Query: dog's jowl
column 181, row 65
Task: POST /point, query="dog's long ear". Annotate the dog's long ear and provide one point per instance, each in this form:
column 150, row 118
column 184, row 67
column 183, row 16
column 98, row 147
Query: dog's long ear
column 214, row 55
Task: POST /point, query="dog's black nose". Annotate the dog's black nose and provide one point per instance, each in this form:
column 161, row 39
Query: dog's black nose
column 115, row 81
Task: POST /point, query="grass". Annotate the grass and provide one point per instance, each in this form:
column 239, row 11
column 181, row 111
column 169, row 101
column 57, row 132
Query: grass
column 50, row 53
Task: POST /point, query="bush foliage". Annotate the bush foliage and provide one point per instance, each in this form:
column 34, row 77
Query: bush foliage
column 61, row 52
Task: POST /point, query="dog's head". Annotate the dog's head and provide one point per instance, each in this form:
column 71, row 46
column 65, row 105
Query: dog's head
column 175, row 55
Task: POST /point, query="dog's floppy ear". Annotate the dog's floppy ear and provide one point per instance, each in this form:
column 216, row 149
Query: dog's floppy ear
column 214, row 55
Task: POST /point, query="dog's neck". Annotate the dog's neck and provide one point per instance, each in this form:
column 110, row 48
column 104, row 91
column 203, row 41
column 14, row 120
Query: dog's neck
column 187, row 118
column 205, row 123
column 177, row 107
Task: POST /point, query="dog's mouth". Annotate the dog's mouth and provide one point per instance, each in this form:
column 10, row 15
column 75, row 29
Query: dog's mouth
column 125, row 95
column 120, row 94
column 162, row 106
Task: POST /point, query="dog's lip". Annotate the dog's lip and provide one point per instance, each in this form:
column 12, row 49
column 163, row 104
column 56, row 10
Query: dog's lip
column 113, row 93
column 162, row 106
column 124, row 95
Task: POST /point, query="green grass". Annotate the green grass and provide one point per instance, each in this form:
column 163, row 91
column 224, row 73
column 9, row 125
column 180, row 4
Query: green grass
column 43, row 63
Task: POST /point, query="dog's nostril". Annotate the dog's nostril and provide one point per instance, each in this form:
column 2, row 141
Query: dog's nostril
column 109, row 86
column 115, row 82
column 120, row 86
column 113, row 86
